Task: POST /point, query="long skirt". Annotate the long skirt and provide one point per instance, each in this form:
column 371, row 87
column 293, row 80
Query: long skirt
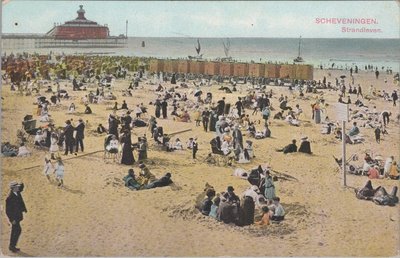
column 127, row 156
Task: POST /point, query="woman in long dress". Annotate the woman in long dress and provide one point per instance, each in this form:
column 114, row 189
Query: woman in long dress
column 53, row 145
column 127, row 154
column 269, row 187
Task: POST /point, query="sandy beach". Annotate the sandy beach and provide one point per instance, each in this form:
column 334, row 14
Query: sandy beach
column 96, row 215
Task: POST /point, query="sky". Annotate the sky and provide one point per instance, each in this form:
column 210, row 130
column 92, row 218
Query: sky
column 284, row 19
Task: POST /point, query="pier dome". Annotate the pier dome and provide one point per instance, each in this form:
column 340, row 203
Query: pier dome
column 79, row 29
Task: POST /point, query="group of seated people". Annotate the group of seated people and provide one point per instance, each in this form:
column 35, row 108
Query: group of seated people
column 145, row 179
column 374, row 170
column 226, row 148
column 305, row 147
column 9, row 150
column 379, row 195
column 182, row 117
column 227, row 207
column 252, row 132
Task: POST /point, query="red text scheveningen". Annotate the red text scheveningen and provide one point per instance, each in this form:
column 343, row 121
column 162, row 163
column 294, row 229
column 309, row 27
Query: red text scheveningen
column 346, row 21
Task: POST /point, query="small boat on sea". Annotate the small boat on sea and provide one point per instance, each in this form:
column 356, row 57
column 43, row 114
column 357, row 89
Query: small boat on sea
column 227, row 47
column 198, row 49
column 299, row 59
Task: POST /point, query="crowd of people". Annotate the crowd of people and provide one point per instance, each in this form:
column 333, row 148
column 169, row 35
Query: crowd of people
column 230, row 126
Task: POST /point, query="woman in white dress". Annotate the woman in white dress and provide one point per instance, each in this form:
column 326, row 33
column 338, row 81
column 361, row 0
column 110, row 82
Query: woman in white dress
column 59, row 171
column 225, row 148
column 53, row 145
column 71, row 108
column 48, row 167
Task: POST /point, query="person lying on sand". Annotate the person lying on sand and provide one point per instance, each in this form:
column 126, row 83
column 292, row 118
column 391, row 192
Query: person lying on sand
column 163, row 181
column 289, row 148
column 130, row 180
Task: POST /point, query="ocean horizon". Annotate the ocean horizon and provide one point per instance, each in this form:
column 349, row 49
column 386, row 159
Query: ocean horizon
column 342, row 52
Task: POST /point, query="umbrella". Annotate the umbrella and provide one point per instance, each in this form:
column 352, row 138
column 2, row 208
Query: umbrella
column 198, row 93
column 343, row 76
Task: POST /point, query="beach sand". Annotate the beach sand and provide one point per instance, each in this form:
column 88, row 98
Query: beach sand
column 95, row 215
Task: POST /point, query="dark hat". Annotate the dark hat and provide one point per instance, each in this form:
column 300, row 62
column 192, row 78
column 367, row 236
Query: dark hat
column 168, row 174
column 142, row 165
column 230, row 188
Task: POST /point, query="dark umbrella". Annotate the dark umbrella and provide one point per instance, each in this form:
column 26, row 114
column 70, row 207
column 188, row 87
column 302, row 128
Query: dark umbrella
column 198, row 93
column 343, row 76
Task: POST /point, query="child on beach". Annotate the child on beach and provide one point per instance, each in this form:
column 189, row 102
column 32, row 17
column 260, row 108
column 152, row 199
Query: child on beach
column 265, row 217
column 59, row 171
column 48, row 167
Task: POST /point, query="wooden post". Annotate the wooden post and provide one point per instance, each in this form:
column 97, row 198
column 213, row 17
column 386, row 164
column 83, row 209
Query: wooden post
column 344, row 151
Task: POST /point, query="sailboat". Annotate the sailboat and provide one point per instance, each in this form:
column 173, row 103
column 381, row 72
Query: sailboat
column 299, row 59
column 227, row 47
column 198, row 49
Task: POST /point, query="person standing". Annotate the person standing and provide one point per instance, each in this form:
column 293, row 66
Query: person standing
column 127, row 155
column 113, row 125
column 221, row 106
column 80, row 135
column 378, row 134
column 376, row 74
column 59, row 170
column 395, row 97
column 359, row 91
column 69, row 137
column 237, row 138
column 205, row 116
column 48, row 168
column 239, row 106
column 15, row 207
column 195, row 147
column 158, row 108
column 269, row 192
column 164, row 105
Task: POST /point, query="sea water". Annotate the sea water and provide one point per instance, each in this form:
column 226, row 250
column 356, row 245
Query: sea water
column 340, row 52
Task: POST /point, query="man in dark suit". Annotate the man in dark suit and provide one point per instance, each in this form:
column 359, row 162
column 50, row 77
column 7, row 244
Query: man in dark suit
column 69, row 137
column 194, row 148
column 289, row 148
column 80, row 129
column 221, row 106
column 15, row 206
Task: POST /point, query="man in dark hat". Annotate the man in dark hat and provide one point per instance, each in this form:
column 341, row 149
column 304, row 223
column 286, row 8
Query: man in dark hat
column 80, row 135
column 239, row 106
column 195, row 147
column 15, row 207
column 69, row 137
